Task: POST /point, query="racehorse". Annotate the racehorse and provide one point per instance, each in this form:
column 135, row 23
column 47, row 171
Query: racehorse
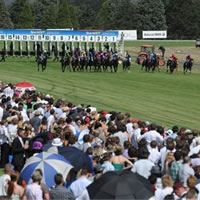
column 65, row 62
column 83, row 62
column 126, row 65
column 42, row 60
column 97, row 63
column 75, row 63
column 147, row 64
column 171, row 65
column 155, row 64
column 188, row 66
column 90, row 63
column 114, row 63
column 106, row 63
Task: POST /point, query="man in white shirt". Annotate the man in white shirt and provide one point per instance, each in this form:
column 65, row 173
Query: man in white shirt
column 153, row 135
column 143, row 166
column 78, row 186
column 5, row 178
column 50, row 119
column 154, row 153
column 1, row 112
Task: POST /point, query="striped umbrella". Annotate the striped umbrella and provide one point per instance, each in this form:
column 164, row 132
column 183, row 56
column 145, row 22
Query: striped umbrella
column 50, row 164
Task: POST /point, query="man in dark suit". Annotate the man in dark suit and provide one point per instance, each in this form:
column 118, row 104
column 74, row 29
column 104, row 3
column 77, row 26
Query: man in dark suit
column 18, row 149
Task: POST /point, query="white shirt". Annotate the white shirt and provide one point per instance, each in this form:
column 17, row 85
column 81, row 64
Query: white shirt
column 161, row 193
column 3, row 182
column 8, row 92
column 143, row 167
column 50, row 120
column 78, row 186
column 33, row 191
column 129, row 128
column 122, row 137
column 1, row 113
column 152, row 135
column 184, row 173
column 154, row 156
column 107, row 167
column 194, row 150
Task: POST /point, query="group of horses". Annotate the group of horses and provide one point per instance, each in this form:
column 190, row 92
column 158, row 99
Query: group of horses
column 152, row 65
column 94, row 63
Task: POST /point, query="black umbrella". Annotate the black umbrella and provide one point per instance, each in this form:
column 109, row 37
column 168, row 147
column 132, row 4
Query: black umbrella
column 120, row 185
column 77, row 158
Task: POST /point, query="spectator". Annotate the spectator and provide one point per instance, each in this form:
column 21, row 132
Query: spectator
column 167, row 184
column 78, row 186
column 5, row 178
column 33, row 191
column 59, row 191
column 143, row 166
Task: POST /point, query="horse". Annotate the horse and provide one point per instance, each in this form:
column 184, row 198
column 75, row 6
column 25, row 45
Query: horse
column 83, row 62
column 90, row 63
column 97, row 63
column 75, row 63
column 114, row 63
column 106, row 63
column 155, row 64
column 126, row 65
column 188, row 66
column 65, row 61
column 147, row 64
column 42, row 60
column 171, row 65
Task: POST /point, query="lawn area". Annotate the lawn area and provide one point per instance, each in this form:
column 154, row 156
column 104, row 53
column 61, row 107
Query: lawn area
column 158, row 97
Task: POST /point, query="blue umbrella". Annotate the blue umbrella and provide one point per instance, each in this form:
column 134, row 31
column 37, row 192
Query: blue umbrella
column 77, row 158
column 50, row 164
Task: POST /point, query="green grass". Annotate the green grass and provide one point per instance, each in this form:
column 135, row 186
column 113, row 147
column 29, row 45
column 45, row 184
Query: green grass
column 158, row 97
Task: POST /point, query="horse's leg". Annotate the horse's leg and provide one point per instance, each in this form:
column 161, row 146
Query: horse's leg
column 38, row 67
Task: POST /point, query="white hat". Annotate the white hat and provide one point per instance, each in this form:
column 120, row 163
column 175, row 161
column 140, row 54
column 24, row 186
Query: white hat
column 169, row 132
column 57, row 142
column 188, row 131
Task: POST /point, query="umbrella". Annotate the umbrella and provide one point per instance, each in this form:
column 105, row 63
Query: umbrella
column 24, row 85
column 50, row 164
column 122, row 184
column 77, row 158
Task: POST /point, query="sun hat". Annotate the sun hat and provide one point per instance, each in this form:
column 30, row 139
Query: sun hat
column 37, row 112
column 169, row 132
column 57, row 142
column 37, row 145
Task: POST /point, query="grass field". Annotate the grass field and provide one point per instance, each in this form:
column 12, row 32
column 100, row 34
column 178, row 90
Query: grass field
column 158, row 97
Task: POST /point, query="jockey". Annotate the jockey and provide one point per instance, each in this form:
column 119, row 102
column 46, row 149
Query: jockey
column 188, row 58
column 128, row 57
column 115, row 56
column 174, row 58
column 90, row 55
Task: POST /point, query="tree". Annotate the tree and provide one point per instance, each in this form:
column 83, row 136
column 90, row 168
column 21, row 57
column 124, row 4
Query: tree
column 5, row 21
column 182, row 19
column 16, row 9
column 45, row 12
column 150, row 15
column 102, row 20
column 26, row 19
column 74, row 15
column 63, row 18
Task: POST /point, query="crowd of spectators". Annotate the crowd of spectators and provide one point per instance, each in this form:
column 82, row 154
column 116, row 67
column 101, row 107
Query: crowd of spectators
column 168, row 157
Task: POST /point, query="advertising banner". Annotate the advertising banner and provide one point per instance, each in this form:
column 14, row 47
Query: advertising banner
column 154, row 34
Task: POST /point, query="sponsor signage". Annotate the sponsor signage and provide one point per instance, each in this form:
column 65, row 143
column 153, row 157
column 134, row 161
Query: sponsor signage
column 128, row 34
column 154, row 34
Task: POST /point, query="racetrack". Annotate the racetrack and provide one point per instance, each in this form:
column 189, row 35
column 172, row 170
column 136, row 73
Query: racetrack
column 158, row 97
